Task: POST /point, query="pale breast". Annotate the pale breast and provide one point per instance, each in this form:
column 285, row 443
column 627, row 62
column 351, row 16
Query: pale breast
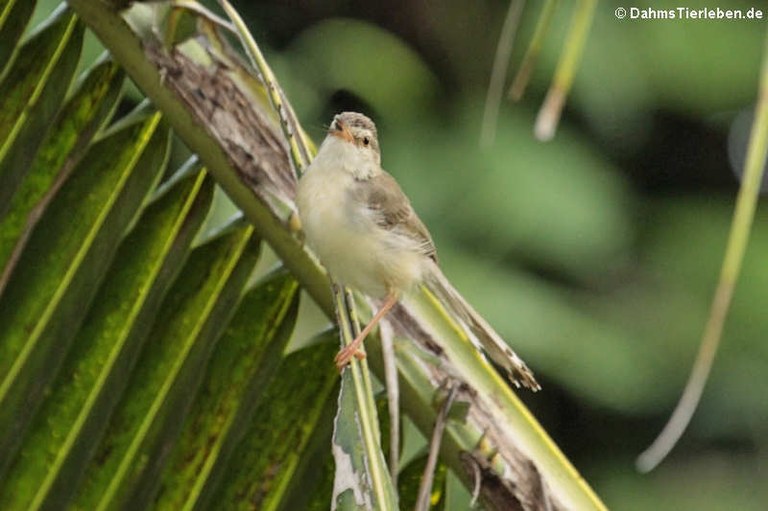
column 342, row 233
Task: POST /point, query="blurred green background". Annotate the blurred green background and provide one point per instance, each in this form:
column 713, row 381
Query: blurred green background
column 595, row 254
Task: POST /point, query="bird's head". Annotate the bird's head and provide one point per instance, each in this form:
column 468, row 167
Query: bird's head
column 358, row 131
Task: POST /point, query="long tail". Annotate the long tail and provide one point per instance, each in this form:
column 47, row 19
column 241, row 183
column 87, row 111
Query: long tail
column 483, row 336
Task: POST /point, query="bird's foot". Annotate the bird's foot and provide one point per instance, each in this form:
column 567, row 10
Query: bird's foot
column 345, row 356
column 352, row 350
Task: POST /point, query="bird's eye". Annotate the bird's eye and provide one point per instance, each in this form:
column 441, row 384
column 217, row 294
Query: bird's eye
column 366, row 140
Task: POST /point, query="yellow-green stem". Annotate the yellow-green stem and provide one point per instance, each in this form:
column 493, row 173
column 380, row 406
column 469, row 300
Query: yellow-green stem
column 744, row 214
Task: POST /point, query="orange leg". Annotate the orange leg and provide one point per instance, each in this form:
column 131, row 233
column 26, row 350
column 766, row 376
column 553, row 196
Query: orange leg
column 353, row 349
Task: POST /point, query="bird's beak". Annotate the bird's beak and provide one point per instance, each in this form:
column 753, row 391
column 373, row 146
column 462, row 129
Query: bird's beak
column 339, row 130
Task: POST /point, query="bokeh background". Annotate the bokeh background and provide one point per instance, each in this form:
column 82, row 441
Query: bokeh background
column 595, row 254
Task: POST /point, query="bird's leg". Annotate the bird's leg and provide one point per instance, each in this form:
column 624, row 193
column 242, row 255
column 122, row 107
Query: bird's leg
column 353, row 349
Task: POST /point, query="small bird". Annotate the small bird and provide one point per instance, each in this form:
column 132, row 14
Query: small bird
column 363, row 229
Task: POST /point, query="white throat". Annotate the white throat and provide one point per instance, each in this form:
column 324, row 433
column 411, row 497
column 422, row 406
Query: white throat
column 359, row 162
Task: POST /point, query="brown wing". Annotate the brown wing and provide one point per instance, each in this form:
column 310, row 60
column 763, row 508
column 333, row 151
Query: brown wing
column 383, row 195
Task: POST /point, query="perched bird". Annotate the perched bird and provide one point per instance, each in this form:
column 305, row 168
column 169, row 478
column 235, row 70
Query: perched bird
column 363, row 229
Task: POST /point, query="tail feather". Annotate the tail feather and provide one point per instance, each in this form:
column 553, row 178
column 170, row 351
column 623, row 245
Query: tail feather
column 485, row 338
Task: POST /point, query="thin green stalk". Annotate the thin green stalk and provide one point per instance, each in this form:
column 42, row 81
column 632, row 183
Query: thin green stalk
column 366, row 388
column 299, row 146
column 743, row 216
column 363, row 416
column 549, row 115
column 499, row 72
column 523, row 75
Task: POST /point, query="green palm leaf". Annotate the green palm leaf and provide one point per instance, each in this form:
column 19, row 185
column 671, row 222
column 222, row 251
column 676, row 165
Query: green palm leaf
column 74, row 416
column 31, row 95
column 47, row 295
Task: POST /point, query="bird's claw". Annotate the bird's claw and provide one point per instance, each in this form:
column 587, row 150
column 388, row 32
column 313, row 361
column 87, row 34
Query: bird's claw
column 345, row 356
